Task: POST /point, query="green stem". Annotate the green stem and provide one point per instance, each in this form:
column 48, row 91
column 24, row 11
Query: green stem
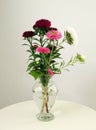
column 50, row 58
column 41, row 40
column 44, row 59
column 64, row 39
column 47, row 110
column 45, row 100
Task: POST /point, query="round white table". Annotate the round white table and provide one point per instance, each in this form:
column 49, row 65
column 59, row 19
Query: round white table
column 68, row 116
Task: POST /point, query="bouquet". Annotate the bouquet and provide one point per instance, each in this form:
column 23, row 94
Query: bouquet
column 45, row 43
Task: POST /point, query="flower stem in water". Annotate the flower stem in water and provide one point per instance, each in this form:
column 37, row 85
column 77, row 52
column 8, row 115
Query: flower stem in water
column 45, row 100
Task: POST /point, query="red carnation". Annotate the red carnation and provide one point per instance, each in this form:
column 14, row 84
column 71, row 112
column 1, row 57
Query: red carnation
column 42, row 23
column 27, row 34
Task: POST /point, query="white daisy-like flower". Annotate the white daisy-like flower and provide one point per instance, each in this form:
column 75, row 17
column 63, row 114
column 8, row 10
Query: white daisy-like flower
column 71, row 36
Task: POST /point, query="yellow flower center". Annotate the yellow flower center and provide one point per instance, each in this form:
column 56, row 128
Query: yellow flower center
column 54, row 32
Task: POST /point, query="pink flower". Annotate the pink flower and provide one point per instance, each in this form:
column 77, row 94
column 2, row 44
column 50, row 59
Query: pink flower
column 43, row 50
column 53, row 35
column 50, row 72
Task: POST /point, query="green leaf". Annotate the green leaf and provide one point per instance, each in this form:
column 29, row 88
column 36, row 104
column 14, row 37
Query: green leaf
column 29, row 51
column 37, row 56
column 35, row 74
column 30, row 66
column 30, row 59
column 30, row 55
column 53, row 61
column 56, row 55
column 25, row 44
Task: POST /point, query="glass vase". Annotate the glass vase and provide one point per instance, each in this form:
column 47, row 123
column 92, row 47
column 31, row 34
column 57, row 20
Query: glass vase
column 44, row 94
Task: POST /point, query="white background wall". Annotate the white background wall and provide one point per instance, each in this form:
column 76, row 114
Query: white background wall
column 16, row 16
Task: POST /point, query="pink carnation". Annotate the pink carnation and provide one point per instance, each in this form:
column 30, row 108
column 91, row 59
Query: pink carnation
column 53, row 35
column 43, row 50
column 50, row 72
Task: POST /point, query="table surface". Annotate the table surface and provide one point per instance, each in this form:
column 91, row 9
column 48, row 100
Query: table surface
column 68, row 116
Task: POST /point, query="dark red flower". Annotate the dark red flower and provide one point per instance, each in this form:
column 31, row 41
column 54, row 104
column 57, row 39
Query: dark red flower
column 27, row 34
column 42, row 23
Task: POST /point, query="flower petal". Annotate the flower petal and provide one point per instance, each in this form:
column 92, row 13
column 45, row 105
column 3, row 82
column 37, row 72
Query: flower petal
column 53, row 35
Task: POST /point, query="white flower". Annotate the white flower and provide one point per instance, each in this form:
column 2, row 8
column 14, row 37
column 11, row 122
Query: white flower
column 71, row 36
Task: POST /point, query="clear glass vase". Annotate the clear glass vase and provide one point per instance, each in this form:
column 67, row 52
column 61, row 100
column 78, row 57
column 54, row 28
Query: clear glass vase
column 44, row 94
